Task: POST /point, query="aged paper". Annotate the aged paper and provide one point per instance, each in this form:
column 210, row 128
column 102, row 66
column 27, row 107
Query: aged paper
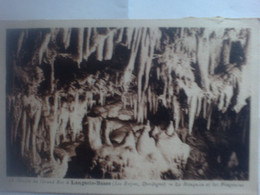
column 130, row 107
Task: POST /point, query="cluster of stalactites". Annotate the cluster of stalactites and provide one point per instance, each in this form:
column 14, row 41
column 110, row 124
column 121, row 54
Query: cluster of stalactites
column 208, row 50
column 44, row 120
column 54, row 118
column 205, row 48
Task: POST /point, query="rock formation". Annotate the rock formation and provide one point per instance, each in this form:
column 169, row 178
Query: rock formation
column 133, row 95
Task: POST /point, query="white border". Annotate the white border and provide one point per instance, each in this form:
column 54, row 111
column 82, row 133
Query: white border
column 38, row 185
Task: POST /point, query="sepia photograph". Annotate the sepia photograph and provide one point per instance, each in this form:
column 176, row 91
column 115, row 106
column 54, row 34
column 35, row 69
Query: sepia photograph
column 128, row 103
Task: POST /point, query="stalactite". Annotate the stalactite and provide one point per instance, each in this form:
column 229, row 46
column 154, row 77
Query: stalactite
column 100, row 47
column 135, row 109
column 158, row 73
column 221, row 101
column 204, row 107
column 87, row 43
column 176, row 112
column 66, row 37
column 80, row 45
column 244, row 85
column 203, row 59
column 130, row 66
column 175, row 67
column 215, row 45
column 154, row 36
column 243, row 88
column 143, row 59
column 226, row 51
column 129, row 36
column 54, row 33
column 109, row 46
column 199, row 100
column 52, row 76
column 94, row 40
column 148, row 41
column 120, row 35
column 20, row 43
column 44, row 46
column 209, row 117
column 189, row 42
column 149, row 99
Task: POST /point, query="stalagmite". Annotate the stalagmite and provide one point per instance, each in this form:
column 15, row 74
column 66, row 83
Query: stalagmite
column 24, row 129
column 94, row 128
column 174, row 151
column 35, row 127
column 102, row 98
column 192, row 112
column 63, row 119
column 28, row 134
column 170, row 130
column 17, row 117
column 145, row 144
column 52, row 124
column 75, row 117
column 44, row 46
column 140, row 111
